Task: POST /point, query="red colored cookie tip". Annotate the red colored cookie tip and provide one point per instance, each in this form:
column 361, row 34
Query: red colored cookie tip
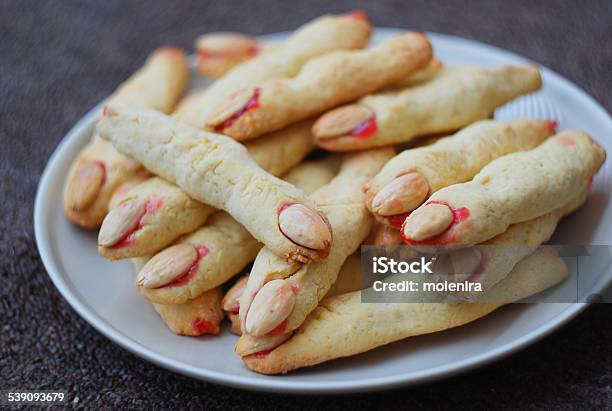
column 358, row 15
column 397, row 220
column 552, row 125
column 202, row 326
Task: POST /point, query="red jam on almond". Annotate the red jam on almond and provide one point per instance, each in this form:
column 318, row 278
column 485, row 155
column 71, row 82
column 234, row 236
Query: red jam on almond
column 103, row 168
column 459, row 214
column 366, row 129
column 280, row 329
column 151, row 206
column 397, row 220
column 251, row 104
column 188, row 274
column 358, row 15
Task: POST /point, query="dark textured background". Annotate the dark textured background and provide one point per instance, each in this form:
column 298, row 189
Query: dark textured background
column 58, row 58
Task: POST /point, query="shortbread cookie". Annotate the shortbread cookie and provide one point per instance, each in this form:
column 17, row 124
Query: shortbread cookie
column 279, row 295
column 322, row 35
column 410, row 177
column 343, row 326
column 219, row 52
column 514, row 188
column 218, row 171
column 454, row 98
column 198, row 316
column 99, row 169
column 349, row 279
column 214, row 253
column 489, row 263
column 323, row 83
column 153, row 215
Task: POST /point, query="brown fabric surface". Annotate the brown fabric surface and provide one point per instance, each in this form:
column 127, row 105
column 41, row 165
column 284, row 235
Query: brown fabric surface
column 59, row 58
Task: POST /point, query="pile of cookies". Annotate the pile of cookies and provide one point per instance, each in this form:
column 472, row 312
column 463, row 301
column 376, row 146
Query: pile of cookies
column 194, row 189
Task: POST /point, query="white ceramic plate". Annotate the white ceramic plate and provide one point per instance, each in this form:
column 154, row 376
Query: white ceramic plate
column 103, row 293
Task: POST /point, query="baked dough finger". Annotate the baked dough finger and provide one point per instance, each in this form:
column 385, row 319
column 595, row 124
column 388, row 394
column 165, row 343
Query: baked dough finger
column 343, row 326
column 454, row 98
column 409, row 178
column 489, row 263
column 218, row 171
column 121, row 193
column 154, row 214
column 349, row 279
column 279, row 295
column 99, row 169
column 327, row 33
column 323, row 83
column 214, row 253
column 511, row 189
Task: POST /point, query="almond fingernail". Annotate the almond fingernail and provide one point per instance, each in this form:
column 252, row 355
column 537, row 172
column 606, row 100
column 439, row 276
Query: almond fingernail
column 248, row 344
column 85, row 184
column 270, row 307
column 341, row 121
column 403, row 194
column 305, row 227
column 231, row 300
column 427, row 222
column 232, row 107
column 167, row 265
column 120, row 221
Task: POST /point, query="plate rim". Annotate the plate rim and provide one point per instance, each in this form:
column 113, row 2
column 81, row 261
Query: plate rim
column 276, row 383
